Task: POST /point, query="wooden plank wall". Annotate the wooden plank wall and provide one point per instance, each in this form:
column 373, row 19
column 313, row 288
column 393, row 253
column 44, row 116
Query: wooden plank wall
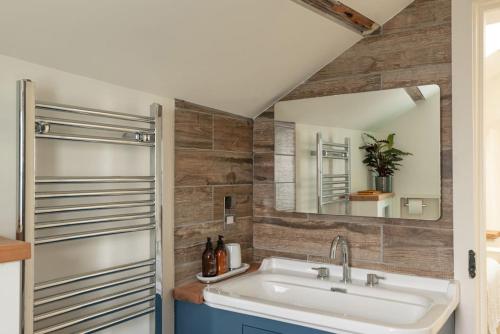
column 213, row 158
column 284, row 171
column 414, row 48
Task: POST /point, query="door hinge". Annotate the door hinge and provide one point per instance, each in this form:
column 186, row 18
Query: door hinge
column 472, row 264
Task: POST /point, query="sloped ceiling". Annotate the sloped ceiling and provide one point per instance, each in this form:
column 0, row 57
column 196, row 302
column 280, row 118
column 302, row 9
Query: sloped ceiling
column 360, row 111
column 238, row 56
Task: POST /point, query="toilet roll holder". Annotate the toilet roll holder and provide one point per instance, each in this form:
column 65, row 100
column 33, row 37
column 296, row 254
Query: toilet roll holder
column 408, row 199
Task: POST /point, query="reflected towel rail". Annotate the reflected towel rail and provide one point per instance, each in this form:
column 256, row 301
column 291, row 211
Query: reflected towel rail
column 331, row 188
column 332, row 176
column 335, row 157
column 335, row 182
column 326, row 178
column 335, row 144
column 334, row 201
column 335, row 195
column 342, row 152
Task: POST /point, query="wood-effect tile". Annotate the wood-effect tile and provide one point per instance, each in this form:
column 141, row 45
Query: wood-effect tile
column 193, row 130
column 200, row 167
column 231, row 134
column 193, row 205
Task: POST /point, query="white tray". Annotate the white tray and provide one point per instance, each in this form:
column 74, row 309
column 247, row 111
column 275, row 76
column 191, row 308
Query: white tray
column 208, row 280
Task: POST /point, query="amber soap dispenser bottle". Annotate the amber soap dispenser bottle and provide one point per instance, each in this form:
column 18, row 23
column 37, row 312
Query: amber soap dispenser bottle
column 221, row 256
column 209, row 262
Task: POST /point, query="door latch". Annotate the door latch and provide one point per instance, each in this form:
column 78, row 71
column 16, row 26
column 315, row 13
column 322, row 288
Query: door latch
column 472, row 263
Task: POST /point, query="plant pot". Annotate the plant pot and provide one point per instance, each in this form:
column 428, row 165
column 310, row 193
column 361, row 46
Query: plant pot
column 383, row 184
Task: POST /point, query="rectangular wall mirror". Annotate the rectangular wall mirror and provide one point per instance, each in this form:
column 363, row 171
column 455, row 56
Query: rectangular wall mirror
column 371, row 154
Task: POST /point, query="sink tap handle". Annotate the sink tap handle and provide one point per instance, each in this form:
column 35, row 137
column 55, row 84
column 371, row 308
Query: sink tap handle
column 372, row 279
column 323, row 272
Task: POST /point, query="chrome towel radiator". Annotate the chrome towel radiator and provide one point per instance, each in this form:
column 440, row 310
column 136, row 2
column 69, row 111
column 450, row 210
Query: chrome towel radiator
column 332, row 186
column 63, row 211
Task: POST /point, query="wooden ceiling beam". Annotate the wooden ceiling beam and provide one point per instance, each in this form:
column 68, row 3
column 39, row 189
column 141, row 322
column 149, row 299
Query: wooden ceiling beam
column 415, row 93
column 341, row 13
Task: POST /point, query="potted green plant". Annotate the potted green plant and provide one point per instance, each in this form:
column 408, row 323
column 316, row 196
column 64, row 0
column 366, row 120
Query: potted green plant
column 383, row 159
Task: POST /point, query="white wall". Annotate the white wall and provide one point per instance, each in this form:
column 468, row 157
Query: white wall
column 418, row 132
column 305, row 135
column 61, row 87
column 9, row 297
column 492, row 150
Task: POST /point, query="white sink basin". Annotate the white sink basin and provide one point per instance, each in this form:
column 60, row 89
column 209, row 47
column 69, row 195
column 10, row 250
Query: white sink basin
column 287, row 290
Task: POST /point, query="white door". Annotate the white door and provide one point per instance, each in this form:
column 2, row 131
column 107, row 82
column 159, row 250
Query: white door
column 468, row 189
column 466, row 224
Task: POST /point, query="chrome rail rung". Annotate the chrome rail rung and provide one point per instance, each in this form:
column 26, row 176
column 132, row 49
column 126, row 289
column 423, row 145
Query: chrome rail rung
column 331, row 188
column 334, row 195
column 329, row 192
column 93, row 220
column 333, row 151
column 93, row 234
column 94, row 206
column 93, row 288
column 335, row 201
column 93, row 274
column 95, row 315
column 99, row 300
column 332, row 176
column 334, row 182
column 117, row 321
column 335, row 144
column 88, row 193
column 93, row 179
column 335, row 158
column 93, row 112
column 92, row 139
column 93, row 125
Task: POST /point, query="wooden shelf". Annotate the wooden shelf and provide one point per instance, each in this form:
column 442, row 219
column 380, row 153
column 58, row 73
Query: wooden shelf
column 492, row 235
column 370, row 197
column 14, row 250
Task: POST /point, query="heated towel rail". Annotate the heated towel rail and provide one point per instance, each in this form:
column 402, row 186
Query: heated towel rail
column 62, row 210
column 333, row 186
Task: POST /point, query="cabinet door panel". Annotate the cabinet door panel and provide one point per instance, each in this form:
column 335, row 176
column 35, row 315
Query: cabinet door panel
column 255, row 330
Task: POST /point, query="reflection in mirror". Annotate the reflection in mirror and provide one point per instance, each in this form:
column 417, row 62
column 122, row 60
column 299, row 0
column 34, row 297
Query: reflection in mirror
column 374, row 154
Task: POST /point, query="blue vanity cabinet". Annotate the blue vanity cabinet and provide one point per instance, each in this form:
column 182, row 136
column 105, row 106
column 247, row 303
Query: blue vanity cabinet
column 202, row 319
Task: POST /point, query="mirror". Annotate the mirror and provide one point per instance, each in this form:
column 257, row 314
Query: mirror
column 371, row 154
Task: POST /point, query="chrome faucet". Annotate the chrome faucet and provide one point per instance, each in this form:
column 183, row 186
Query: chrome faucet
column 346, row 270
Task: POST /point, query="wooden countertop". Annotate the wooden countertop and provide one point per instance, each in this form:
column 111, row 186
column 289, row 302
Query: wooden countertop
column 14, row 250
column 370, row 197
column 192, row 292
